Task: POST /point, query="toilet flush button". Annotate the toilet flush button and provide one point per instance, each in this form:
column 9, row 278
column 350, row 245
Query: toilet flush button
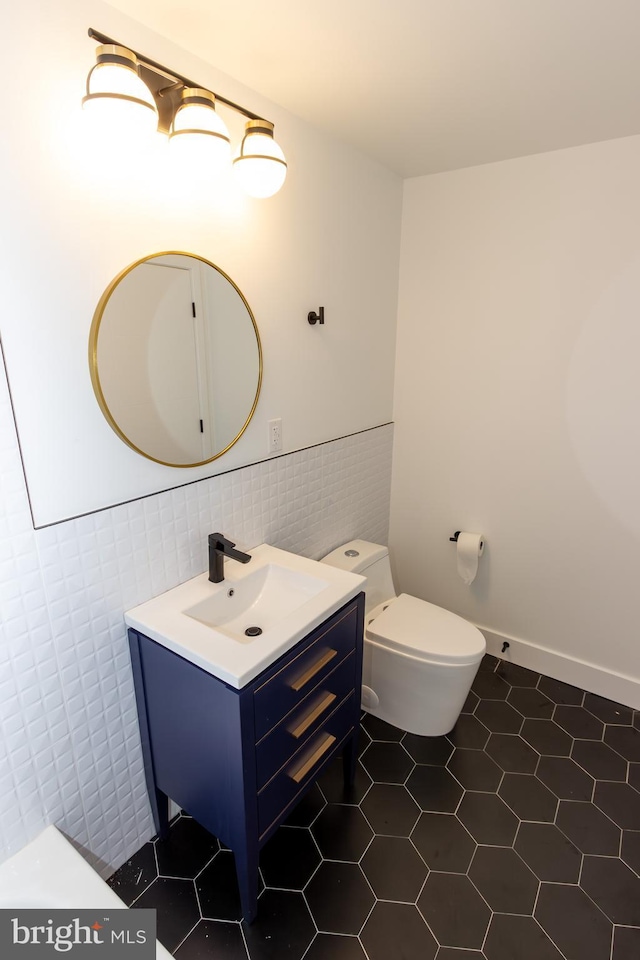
column 352, row 553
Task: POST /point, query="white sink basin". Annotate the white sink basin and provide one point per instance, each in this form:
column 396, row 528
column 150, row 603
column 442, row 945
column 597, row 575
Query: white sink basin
column 279, row 594
column 257, row 601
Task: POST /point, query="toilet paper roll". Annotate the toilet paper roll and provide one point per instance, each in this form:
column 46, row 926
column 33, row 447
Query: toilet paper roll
column 470, row 547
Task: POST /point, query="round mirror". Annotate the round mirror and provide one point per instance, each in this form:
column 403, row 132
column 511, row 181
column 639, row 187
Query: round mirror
column 175, row 359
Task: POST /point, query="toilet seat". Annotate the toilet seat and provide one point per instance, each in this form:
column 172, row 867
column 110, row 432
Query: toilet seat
column 425, row 631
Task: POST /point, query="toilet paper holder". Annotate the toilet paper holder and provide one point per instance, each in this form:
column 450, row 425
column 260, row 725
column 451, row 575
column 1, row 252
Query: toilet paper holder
column 454, row 538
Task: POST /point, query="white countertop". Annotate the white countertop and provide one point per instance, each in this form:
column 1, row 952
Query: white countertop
column 238, row 662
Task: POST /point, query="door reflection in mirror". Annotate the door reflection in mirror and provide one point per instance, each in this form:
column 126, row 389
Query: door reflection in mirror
column 176, row 359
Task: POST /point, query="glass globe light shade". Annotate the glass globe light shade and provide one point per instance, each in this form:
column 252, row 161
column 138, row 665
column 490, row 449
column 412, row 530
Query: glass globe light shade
column 117, row 98
column 198, row 136
column 260, row 165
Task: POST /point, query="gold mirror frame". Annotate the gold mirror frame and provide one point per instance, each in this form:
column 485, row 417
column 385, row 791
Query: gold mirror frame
column 93, row 357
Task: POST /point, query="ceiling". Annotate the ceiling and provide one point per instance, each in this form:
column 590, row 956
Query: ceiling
column 426, row 85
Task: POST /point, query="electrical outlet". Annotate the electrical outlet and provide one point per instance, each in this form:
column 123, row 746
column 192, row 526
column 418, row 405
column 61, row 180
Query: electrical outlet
column 275, row 435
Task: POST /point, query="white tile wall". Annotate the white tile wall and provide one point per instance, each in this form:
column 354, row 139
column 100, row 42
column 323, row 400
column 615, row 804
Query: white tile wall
column 69, row 743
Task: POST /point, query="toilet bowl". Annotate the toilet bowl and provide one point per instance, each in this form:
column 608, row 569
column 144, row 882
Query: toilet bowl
column 419, row 660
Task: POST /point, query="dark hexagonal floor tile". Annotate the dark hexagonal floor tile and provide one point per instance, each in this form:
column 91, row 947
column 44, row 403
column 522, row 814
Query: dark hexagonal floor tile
column 475, row 770
column 512, row 753
column 626, row 943
column 443, row 842
column 394, row 931
column 531, row 703
column 434, row 788
column 390, row 809
column 504, row 880
column 625, row 741
column 187, row 849
column 588, row 828
column 469, row 732
column 518, row 938
column 289, row 858
column 455, row 911
column 339, row 898
column 134, row 876
column 334, row 946
column 528, row 797
column 363, row 741
column 381, row 730
column 578, row 722
column 217, row 888
column 387, row 762
column 561, row 692
column 332, row 784
column 630, row 851
column 516, row 675
column 489, row 686
column 283, row 927
column 574, row 922
column 213, row 938
column 607, row 710
column 599, row 760
column 177, row 909
column 470, row 703
column 634, row 775
column 620, row 802
column 547, row 738
column 342, row 833
column 432, row 750
column 499, row 716
column 565, row 778
column 394, row 869
column 451, row 953
column 548, row 852
column 489, row 663
column 307, row 809
column 614, row 887
column 488, row 819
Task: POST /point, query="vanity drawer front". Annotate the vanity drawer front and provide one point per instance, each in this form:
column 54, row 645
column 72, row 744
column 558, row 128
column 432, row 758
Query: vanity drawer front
column 289, row 685
column 305, row 764
column 298, row 726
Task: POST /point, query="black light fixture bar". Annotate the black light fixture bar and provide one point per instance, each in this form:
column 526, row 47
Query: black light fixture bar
column 160, row 70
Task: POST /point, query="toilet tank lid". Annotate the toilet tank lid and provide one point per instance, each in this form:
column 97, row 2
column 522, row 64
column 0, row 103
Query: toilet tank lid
column 356, row 555
column 421, row 629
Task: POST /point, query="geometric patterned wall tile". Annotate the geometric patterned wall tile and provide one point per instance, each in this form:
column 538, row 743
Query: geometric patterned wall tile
column 69, row 741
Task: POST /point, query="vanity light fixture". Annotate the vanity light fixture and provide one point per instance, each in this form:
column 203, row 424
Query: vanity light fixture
column 126, row 88
column 197, row 131
column 116, row 93
column 260, row 165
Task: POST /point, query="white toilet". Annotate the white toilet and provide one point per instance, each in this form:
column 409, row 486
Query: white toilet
column 419, row 660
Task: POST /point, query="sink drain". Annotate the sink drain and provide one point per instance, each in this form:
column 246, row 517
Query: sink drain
column 253, row 631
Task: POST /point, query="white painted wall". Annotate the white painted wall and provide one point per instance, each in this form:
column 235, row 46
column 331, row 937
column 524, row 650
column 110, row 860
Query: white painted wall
column 76, row 211
column 516, row 404
column 69, row 741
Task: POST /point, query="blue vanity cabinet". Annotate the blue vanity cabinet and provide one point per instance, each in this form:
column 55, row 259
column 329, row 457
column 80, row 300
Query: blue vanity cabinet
column 238, row 760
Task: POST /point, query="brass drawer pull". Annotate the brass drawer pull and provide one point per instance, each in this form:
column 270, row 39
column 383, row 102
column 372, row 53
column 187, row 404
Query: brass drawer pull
column 313, row 716
column 313, row 669
column 308, row 765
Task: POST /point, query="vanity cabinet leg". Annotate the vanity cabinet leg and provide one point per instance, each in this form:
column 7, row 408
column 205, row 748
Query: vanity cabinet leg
column 160, row 810
column 349, row 760
column 246, row 858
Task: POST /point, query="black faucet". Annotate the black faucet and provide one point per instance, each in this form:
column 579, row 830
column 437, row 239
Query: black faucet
column 220, row 547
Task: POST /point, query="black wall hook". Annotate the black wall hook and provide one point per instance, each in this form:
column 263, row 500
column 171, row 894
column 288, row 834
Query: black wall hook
column 314, row 317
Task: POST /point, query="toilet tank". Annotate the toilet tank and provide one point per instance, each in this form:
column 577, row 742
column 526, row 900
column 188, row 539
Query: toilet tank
column 370, row 560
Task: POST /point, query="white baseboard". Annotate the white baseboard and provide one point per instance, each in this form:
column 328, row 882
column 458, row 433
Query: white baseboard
column 587, row 676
